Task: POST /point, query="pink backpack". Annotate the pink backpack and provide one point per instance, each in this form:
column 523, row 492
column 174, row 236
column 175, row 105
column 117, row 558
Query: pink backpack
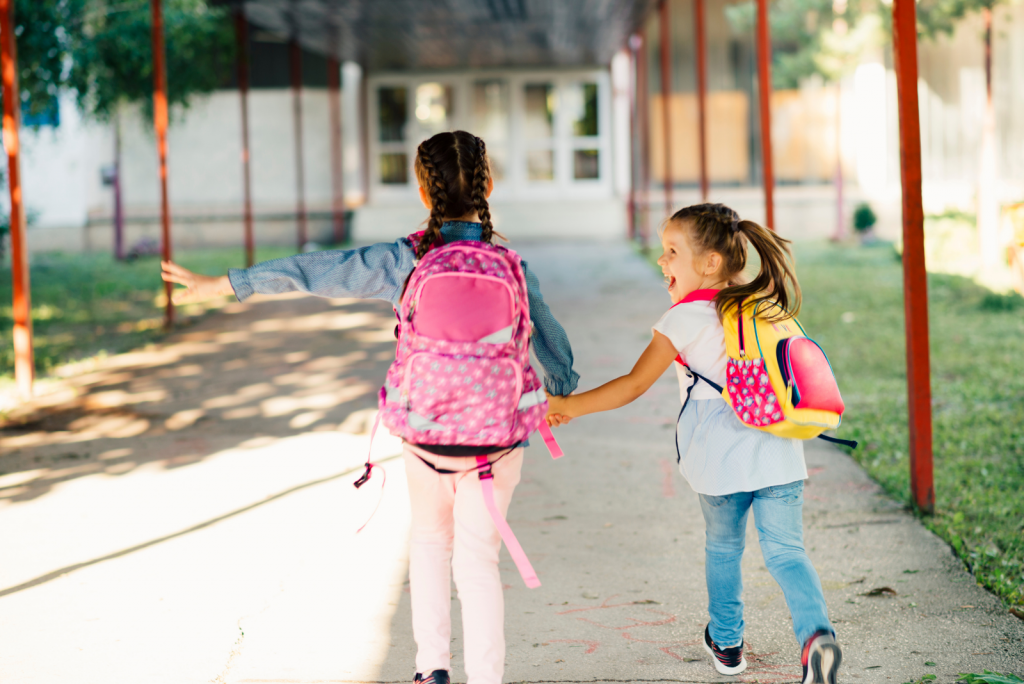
column 462, row 373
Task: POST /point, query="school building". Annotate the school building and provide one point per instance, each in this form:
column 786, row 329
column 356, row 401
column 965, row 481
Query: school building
column 549, row 86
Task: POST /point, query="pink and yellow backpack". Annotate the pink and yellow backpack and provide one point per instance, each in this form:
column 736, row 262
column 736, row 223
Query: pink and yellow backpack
column 777, row 378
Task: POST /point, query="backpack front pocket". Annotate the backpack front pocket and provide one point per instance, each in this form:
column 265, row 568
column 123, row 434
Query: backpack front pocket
column 462, row 401
column 806, row 369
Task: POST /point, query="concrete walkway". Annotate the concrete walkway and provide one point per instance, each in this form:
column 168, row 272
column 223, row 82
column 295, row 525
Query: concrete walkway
column 184, row 514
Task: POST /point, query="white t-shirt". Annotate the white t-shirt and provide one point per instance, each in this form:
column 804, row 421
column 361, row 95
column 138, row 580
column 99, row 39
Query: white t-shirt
column 696, row 333
column 718, row 454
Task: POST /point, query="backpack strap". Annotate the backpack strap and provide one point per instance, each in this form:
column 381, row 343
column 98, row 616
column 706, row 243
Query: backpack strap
column 369, row 471
column 511, row 543
column 549, row 440
column 515, row 549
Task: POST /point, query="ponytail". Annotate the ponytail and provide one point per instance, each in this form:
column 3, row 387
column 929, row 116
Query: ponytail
column 717, row 228
column 775, row 283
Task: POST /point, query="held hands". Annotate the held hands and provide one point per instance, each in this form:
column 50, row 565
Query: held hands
column 197, row 287
column 556, row 414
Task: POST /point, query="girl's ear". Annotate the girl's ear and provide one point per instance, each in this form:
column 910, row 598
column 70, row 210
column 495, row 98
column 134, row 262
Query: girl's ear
column 712, row 263
column 490, row 186
column 425, row 198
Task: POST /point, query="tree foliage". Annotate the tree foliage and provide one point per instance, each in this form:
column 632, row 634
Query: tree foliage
column 113, row 57
column 811, row 37
column 44, row 31
column 940, row 17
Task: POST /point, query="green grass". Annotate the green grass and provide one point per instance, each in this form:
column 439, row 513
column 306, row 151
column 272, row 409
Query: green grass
column 977, row 348
column 853, row 306
column 85, row 305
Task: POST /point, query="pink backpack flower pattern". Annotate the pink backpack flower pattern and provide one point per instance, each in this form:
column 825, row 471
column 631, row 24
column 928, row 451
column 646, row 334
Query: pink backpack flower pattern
column 462, row 373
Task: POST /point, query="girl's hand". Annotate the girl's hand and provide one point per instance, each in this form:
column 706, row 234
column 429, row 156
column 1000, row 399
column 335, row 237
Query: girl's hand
column 197, row 287
column 556, row 414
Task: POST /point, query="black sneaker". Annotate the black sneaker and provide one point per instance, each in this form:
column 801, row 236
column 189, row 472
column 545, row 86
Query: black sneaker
column 435, row 677
column 821, row 658
column 728, row 661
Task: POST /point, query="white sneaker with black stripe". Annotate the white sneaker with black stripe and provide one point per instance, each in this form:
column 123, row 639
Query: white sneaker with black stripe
column 728, row 661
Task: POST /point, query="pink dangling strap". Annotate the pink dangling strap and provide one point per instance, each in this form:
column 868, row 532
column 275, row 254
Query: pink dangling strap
column 369, row 471
column 549, row 440
column 511, row 543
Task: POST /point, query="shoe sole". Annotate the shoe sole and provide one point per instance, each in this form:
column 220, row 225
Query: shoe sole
column 824, row 663
column 724, row 669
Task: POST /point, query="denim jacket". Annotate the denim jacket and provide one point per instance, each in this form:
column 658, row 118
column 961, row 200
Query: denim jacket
column 379, row 272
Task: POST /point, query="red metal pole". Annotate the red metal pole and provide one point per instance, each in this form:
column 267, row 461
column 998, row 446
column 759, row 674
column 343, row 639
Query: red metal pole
column 337, row 172
column 295, row 61
column 634, row 45
column 118, row 205
column 160, row 127
column 242, row 57
column 364, row 132
column 644, row 115
column 915, row 285
column 764, row 91
column 840, row 233
column 702, row 95
column 24, row 363
column 666, row 93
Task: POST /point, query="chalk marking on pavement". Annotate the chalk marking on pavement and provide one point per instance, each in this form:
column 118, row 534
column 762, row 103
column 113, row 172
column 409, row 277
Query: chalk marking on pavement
column 50, row 576
column 668, row 487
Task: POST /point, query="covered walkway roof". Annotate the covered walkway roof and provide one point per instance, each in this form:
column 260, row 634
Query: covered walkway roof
column 393, row 35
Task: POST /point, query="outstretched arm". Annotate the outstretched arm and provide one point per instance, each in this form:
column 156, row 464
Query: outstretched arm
column 372, row 272
column 622, row 390
column 197, row 287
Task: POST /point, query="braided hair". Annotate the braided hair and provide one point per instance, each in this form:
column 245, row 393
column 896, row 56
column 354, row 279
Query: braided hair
column 453, row 169
column 717, row 228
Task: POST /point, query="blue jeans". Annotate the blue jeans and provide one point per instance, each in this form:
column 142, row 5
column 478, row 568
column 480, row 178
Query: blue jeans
column 778, row 516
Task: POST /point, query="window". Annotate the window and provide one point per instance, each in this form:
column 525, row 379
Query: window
column 581, row 106
column 491, row 122
column 394, row 168
column 539, row 128
column 393, row 115
column 433, row 108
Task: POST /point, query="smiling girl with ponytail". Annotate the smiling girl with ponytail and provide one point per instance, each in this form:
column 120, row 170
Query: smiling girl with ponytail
column 734, row 469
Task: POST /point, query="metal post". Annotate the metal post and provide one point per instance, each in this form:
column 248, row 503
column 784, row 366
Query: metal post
column 634, row 44
column 666, row 94
column 242, row 56
column 840, row 233
column 764, row 91
column 118, row 206
column 24, row 362
column 644, row 116
column 702, row 95
column 364, row 132
column 337, row 170
column 915, row 290
column 160, row 127
column 295, row 62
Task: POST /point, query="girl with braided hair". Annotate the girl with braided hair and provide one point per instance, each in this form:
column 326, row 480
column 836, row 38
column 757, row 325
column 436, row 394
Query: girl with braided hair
column 731, row 467
column 453, row 534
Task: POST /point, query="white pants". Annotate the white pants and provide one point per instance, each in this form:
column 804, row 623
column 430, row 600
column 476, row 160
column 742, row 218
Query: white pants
column 453, row 534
